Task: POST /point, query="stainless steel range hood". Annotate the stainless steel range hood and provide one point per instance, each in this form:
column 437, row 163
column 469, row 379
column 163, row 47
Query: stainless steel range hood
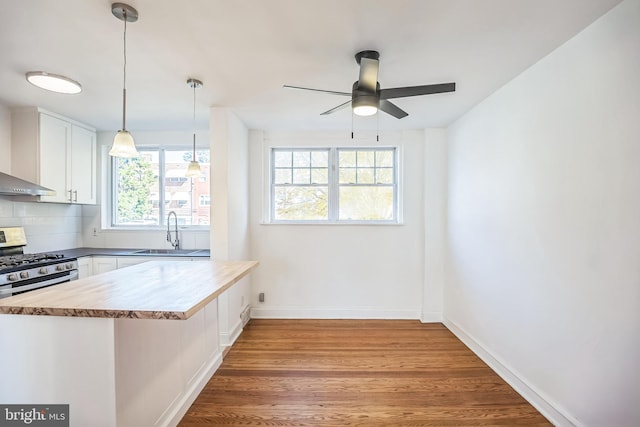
column 12, row 186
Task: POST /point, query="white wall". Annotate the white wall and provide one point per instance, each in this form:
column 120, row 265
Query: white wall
column 229, row 212
column 543, row 274
column 5, row 139
column 345, row 271
column 435, row 217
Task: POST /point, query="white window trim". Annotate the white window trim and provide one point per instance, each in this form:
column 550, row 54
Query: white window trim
column 108, row 209
column 267, row 214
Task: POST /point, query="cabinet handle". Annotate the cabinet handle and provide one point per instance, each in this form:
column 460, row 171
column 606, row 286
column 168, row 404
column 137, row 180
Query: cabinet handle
column 75, row 195
column 70, row 199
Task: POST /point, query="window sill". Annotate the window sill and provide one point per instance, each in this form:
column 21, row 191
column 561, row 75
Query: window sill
column 341, row 223
column 156, row 228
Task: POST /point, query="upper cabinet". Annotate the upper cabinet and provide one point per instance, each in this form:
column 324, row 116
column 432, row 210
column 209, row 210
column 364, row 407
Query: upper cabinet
column 55, row 152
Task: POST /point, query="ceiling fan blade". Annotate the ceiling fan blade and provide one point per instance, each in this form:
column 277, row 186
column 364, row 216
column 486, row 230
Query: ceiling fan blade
column 318, row 90
column 368, row 78
column 391, row 108
column 401, row 92
column 334, row 109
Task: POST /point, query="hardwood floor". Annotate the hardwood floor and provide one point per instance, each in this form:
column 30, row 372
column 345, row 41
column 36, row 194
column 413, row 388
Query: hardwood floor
column 355, row 373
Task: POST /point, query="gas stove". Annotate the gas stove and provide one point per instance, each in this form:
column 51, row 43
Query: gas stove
column 20, row 272
column 13, row 261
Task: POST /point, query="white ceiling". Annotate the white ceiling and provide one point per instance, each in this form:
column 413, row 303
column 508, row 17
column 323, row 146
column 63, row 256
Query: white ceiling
column 245, row 50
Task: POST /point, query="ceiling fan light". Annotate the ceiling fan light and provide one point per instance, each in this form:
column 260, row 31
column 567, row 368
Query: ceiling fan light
column 365, row 110
column 53, row 82
column 123, row 145
column 364, row 104
column 193, row 171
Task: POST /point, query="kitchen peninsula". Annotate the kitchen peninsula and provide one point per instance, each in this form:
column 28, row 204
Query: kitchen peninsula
column 128, row 347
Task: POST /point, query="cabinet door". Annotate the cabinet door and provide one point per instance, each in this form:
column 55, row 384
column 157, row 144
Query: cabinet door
column 54, row 135
column 131, row 260
column 85, row 267
column 104, row 264
column 83, row 165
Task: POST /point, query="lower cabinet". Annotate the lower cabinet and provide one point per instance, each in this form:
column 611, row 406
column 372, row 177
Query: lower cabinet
column 102, row 264
column 85, row 267
column 127, row 261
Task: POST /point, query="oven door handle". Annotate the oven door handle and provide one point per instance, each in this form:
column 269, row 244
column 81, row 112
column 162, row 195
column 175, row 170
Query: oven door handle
column 73, row 275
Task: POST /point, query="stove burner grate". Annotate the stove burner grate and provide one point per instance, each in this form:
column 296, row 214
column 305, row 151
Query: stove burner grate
column 24, row 259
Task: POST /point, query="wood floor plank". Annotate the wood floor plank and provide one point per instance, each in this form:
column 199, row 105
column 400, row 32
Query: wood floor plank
column 355, row 373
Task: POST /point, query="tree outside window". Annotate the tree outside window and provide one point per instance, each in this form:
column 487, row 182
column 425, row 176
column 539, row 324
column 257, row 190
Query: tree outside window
column 147, row 188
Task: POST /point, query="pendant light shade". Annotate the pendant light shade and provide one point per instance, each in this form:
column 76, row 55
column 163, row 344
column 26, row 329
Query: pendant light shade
column 193, row 171
column 123, row 144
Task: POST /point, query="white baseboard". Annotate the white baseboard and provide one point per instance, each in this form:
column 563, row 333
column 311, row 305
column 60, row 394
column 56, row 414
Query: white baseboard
column 329, row 313
column 551, row 410
column 174, row 413
column 245, row 316
column 228, row 338
column 431, row 317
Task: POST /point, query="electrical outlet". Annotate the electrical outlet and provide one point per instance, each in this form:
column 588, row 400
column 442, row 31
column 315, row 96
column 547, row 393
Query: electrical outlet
column 261, row 297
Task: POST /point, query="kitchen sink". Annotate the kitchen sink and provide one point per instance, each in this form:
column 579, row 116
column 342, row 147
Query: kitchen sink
column 164, row 251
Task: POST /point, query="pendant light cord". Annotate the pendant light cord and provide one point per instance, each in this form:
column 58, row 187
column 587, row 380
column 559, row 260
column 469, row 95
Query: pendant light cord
column 124, row 80
column 194, row 122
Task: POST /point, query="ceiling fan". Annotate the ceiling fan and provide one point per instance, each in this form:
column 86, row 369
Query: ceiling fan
column 367, row 97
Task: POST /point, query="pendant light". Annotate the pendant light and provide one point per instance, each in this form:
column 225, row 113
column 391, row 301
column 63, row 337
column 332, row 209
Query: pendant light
column 193, row 170
column 123, row 145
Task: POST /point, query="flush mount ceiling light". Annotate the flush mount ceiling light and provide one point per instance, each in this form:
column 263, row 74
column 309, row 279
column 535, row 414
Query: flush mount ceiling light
column 53, row 82
column 123, row 145
column 193, row 170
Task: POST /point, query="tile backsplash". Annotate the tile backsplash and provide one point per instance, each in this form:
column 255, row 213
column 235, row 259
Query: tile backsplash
column 52, row 226
column 48, row 226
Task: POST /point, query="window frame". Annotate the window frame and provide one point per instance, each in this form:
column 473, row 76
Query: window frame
column 333, row 185
column 112, row 204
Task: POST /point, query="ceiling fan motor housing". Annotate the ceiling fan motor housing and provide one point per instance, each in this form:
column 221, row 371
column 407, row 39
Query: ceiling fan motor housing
column 371, row 54
column 362, row 98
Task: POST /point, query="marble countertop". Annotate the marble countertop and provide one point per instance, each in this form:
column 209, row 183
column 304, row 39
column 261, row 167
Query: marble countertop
column 152, row 290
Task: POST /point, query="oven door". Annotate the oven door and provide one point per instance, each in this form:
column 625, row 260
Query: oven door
column 43, row 282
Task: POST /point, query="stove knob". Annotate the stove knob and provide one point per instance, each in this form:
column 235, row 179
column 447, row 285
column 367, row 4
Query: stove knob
column 12, row 277
column 59, row 267
column 69, row 266
column 43, row 270
column 24, row 274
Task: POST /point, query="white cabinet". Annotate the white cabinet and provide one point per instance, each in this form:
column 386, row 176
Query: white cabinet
column 126, row 261
column 104, row 264
column 83, row 165
column 54, row 152
column 85, row 267
column 130, row 260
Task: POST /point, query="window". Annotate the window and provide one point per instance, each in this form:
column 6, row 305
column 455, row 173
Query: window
column 145, row 189
column 333, row 185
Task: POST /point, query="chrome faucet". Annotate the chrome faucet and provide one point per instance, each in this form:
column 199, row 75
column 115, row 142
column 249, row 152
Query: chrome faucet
column 174, row 243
